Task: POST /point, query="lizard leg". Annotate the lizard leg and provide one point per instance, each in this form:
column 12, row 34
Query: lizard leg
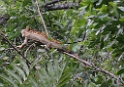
column 48, row 46
column 24, row 43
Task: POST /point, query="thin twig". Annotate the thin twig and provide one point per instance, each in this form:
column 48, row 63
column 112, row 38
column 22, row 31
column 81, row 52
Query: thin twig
column 7, row 49
column 28, row 49
column 41, row 16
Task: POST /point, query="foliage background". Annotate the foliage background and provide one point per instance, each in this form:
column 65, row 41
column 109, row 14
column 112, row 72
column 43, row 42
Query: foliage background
column 96, row 24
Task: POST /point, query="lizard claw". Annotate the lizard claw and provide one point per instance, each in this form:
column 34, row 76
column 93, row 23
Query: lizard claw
column 19, row 46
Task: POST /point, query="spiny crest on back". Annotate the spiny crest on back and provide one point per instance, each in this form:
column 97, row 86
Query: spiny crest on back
column 55, row 41
column 28, row 29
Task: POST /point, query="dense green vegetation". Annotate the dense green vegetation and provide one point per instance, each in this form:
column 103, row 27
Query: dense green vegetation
column 96, row 25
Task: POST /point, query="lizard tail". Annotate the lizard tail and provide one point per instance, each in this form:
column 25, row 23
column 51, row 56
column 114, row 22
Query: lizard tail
column 73, row 53
column 68, row 52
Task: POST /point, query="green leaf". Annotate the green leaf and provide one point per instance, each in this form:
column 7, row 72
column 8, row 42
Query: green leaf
column 34, row 83
column 25, row 67
column 2, row 48
column 20, row 72
column 121, row 71
column 26, row 2
column 121, row 19
column 121, row 8
column 9, row 79
column 12, row 73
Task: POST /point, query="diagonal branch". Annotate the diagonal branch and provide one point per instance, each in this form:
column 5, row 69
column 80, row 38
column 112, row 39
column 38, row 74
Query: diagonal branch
column 69, row 5
column 42, row 19
column 4, row 37
column 97, row 69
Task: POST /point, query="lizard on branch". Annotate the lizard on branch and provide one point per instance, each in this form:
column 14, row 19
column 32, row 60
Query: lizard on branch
column 29, row 33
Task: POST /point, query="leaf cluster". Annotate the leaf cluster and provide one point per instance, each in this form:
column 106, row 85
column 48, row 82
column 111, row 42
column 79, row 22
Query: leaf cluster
column 96, row 26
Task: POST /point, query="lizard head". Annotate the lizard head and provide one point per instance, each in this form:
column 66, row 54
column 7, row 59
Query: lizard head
column 23, row 32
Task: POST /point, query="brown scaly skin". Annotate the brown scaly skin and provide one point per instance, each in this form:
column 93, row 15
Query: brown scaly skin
column 29, row 33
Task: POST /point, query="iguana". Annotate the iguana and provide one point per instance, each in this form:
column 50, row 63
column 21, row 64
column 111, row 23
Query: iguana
column 29, row 33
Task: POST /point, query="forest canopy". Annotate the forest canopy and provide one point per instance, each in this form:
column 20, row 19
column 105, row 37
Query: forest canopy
column 92, row 29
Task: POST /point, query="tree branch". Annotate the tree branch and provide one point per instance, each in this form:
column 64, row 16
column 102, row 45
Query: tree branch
column 97, row 69
column 42, row 19
column 68, row 5
column 51, row 2
column 4, row 37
